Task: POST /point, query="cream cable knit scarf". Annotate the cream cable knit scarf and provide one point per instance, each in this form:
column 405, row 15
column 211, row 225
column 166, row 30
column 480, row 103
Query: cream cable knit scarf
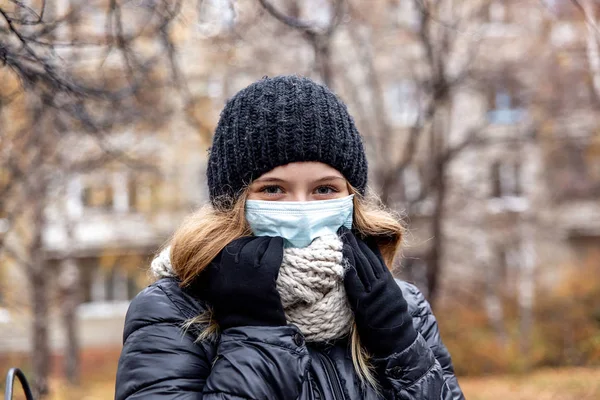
column 311, row 287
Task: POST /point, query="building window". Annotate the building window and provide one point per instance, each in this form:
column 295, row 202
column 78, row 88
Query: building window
column 119, row 192
column 575, row 170
column 505, row 105
column 145, row 194
column 98, row 195
column 132, row 193
column 117, row 282
column 506, row 179
column 402, row 102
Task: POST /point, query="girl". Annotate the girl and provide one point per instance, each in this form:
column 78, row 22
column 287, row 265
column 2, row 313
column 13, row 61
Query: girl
column 280, row 288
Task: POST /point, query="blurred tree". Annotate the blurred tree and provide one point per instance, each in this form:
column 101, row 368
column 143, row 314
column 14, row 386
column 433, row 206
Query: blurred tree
column 318, row 36
column 73, row 74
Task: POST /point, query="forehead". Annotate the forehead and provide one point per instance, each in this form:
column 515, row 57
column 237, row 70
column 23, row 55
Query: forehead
column 302, row 171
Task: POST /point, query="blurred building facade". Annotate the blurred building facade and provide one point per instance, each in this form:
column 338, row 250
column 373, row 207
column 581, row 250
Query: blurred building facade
column 521, row 195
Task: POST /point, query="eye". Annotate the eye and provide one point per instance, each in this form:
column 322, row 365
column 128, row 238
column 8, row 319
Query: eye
column 325, row 190
column 271, row 189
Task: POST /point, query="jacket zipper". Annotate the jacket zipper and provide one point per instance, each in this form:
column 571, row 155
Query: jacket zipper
column 332, row 376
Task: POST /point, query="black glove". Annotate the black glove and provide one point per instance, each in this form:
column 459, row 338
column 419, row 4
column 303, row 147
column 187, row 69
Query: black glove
column 240, row 283
column 380, row 310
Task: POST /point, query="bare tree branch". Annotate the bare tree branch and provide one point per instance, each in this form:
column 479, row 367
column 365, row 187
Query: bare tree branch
column 58, row 101
column 288, row 20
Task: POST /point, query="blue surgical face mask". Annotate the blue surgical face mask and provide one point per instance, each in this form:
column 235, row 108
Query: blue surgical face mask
column 299, row 222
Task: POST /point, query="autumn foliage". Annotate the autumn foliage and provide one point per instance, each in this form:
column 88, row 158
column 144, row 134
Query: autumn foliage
column 565, row 332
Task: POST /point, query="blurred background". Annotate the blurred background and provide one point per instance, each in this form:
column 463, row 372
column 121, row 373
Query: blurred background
column 481, row 123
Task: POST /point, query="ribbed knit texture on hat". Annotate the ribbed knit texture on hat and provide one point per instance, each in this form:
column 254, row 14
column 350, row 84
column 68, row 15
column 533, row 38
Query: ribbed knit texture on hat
column 277, row 121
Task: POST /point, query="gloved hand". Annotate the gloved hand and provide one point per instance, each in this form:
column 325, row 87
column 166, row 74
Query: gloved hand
column 240, row 283
column 380, row 310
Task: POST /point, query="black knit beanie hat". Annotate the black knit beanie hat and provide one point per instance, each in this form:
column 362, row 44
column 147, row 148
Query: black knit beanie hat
column 277, row 121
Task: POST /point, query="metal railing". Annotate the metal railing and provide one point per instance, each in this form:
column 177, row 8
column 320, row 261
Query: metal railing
column 10, row 381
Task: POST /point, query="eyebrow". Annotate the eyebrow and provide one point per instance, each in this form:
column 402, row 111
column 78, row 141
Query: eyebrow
column 269, row 180
column 273, row 179
column 329, row 178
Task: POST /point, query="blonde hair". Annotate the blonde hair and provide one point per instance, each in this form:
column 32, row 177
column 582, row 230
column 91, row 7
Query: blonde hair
column 207, row 231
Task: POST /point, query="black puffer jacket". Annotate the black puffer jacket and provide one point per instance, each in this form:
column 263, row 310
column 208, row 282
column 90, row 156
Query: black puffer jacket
column 161, row 361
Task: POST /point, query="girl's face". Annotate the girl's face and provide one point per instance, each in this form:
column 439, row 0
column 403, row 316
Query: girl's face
column 299, row 181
